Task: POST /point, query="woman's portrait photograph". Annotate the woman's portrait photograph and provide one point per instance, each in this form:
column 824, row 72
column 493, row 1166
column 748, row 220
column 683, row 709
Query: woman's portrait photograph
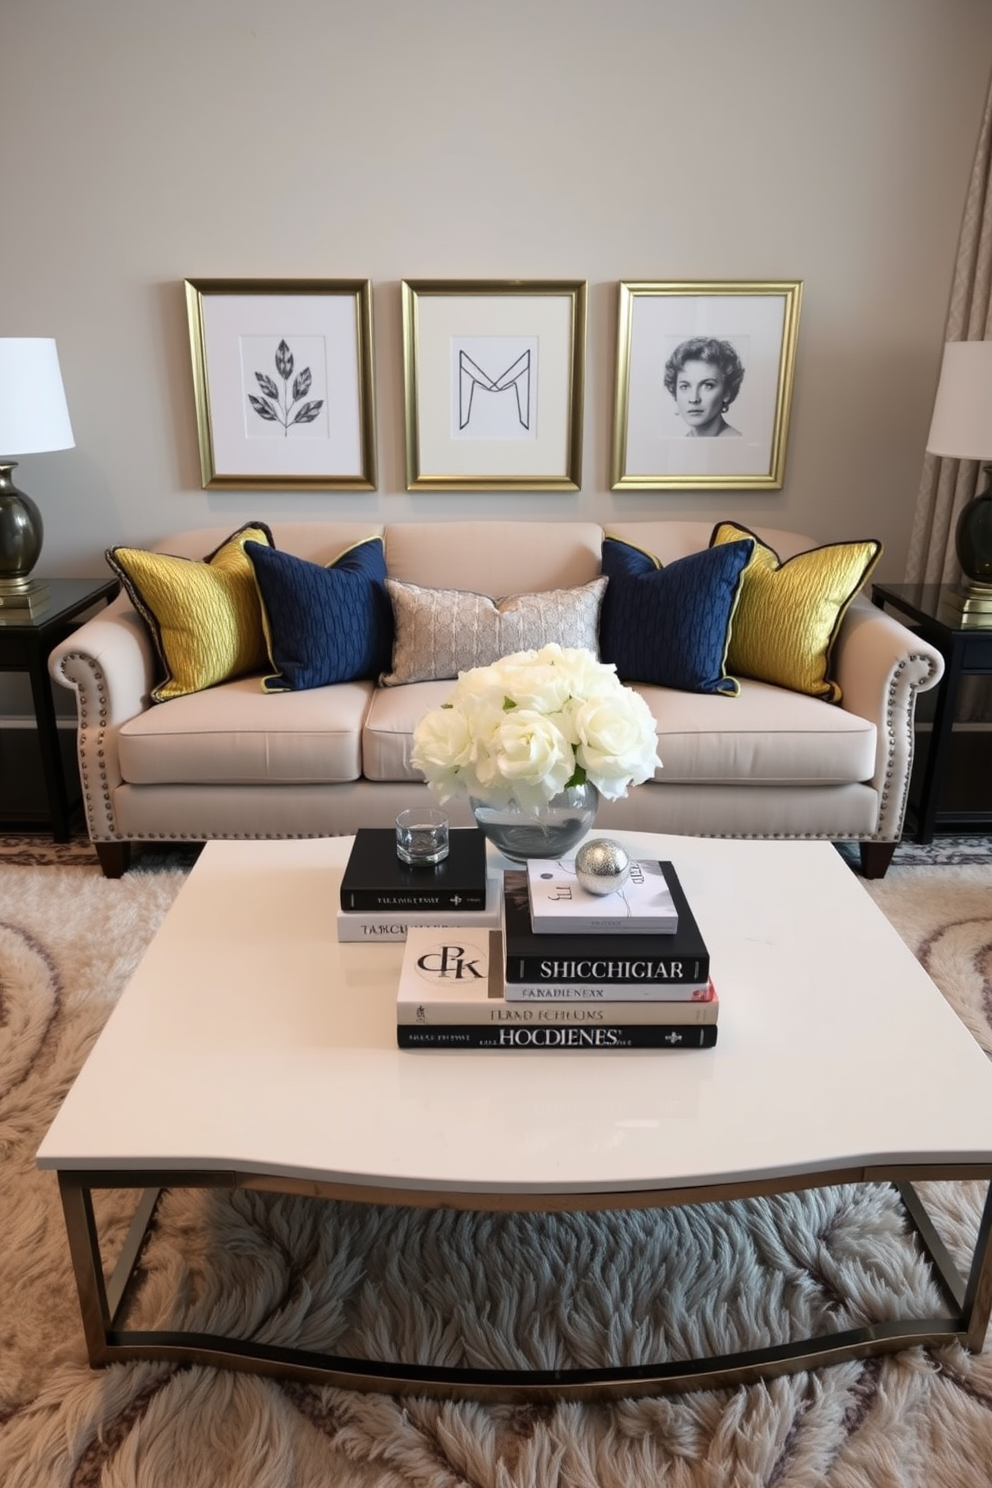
column 703, row 384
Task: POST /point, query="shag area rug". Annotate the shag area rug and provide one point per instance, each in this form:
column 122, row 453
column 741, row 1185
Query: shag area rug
column 483, row 1289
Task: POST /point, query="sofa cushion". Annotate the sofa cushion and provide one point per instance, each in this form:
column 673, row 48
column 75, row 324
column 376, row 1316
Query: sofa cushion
column 235, row 734
column 671, row 625
column 323, row 624
column 204, row 616
column 387, row 734
column 770, row 736
column 789, row 612
column 767, row 736
column 441, row 632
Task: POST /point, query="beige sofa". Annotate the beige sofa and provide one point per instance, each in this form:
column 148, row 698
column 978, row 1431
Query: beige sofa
column 234, row 762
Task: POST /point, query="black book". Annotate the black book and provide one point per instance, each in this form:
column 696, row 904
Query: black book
column 376, row 879
column 557, row 1036
column 652, row 959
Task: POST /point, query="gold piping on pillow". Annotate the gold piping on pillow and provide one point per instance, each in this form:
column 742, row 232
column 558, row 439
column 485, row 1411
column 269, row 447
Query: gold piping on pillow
column 205, row 616
column 789, row 613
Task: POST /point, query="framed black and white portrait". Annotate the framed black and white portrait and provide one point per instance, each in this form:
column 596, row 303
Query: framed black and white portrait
column 493, row 378
column 704, row 380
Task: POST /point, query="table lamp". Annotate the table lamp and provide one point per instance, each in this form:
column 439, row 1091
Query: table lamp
column 33, row 418
column 962, row 428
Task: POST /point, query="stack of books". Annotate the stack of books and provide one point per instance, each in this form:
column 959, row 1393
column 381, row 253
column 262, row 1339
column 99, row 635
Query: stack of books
column 381, row 897
column 598, row 987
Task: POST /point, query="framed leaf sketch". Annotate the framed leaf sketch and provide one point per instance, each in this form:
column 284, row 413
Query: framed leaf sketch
column 704, row 384
column 493, row 378
column 282, row 374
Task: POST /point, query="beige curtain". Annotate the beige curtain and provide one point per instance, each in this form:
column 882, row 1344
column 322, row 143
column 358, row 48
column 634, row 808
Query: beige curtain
column 947, row 485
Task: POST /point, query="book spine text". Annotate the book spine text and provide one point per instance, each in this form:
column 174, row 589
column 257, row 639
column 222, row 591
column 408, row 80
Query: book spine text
column 564, row 1036
column 604, row 968
column 496, row 1011
column 603, row 992
column 395, row 901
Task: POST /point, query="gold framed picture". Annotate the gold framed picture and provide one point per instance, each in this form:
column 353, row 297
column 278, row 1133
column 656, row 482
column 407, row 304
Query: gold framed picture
column 704, row 380
column 283, row 381
column 493, row 382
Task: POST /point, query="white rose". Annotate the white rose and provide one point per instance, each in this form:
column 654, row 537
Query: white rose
column 443, row 749
column 533, row 757
column 478, row 681
column 520, row 727
column 533, row 685
column 618, row 741
column 586, row 676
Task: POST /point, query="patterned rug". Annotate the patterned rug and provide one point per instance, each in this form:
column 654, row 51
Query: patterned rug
column 944, row 852
column 37, row 850
column 459, row 1288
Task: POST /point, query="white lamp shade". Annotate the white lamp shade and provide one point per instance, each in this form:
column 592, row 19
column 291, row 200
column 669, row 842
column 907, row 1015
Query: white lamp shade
column 33, row 411
column 962, row 411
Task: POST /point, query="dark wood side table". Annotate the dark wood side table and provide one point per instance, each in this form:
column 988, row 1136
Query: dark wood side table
column 26, row 639
column 967, row 652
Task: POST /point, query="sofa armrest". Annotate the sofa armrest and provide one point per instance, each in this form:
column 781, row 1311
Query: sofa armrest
column 110, row 664
column 881, row 666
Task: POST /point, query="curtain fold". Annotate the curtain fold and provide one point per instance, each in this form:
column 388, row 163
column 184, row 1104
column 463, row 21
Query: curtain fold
column 947, row 485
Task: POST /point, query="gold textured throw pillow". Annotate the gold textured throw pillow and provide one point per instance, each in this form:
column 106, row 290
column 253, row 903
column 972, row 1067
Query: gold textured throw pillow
column 789, row 613
column 441, row 632
column 205, row 617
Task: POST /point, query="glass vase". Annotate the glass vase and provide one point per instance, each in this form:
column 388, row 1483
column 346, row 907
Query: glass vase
column 549, row 831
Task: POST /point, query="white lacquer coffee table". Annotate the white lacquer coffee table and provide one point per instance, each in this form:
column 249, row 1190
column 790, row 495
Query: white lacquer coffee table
column 251, row 1050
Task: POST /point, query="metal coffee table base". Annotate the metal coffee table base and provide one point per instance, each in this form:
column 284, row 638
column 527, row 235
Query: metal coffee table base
column 104, row 1304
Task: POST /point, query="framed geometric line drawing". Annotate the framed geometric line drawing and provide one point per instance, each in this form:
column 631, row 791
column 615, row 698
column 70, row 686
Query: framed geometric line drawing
column 283, row 381
column 704, row 379
column 493, row 382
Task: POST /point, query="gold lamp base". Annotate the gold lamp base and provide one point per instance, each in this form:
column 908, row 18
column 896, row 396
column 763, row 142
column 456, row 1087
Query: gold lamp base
column 23, row 594
column 968, row 606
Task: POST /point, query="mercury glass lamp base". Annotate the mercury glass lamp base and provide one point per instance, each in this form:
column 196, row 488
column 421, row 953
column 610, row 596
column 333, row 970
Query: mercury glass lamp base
column 973, row 536
column 21, row 533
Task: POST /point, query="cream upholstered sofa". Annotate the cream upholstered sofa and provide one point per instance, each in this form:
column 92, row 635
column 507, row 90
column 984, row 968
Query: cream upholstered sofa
column 235, row 762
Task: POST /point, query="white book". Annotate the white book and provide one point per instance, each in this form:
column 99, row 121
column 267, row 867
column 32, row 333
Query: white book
column 374, row 925
column 560, row 905
column 449, row 978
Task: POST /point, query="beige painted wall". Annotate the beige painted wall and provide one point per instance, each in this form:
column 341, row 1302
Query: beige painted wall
column 642, row 139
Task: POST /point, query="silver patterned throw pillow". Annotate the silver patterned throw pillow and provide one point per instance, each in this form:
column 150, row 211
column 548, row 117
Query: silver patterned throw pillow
column 441, row 632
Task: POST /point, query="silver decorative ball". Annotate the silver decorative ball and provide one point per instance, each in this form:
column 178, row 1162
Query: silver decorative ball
column 602, row 866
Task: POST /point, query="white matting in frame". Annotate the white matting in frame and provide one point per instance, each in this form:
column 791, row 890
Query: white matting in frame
column 666, row 433
column 283, row 379
column 494, row 374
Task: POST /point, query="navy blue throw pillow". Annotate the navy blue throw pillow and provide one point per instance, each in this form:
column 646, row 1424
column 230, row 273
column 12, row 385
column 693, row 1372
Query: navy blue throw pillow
column 671, row 625
column 324, row 625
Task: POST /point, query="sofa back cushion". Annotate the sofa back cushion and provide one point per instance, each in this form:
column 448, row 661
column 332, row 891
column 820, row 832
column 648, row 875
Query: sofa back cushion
column 675, row 537
column 320, row 541
column 494, row 558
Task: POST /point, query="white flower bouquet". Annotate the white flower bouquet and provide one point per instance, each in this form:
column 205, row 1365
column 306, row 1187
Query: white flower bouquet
column 532, row 725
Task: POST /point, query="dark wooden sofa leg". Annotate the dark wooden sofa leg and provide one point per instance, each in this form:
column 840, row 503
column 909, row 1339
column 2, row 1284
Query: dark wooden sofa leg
column 115, row 858
column 875, row 858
